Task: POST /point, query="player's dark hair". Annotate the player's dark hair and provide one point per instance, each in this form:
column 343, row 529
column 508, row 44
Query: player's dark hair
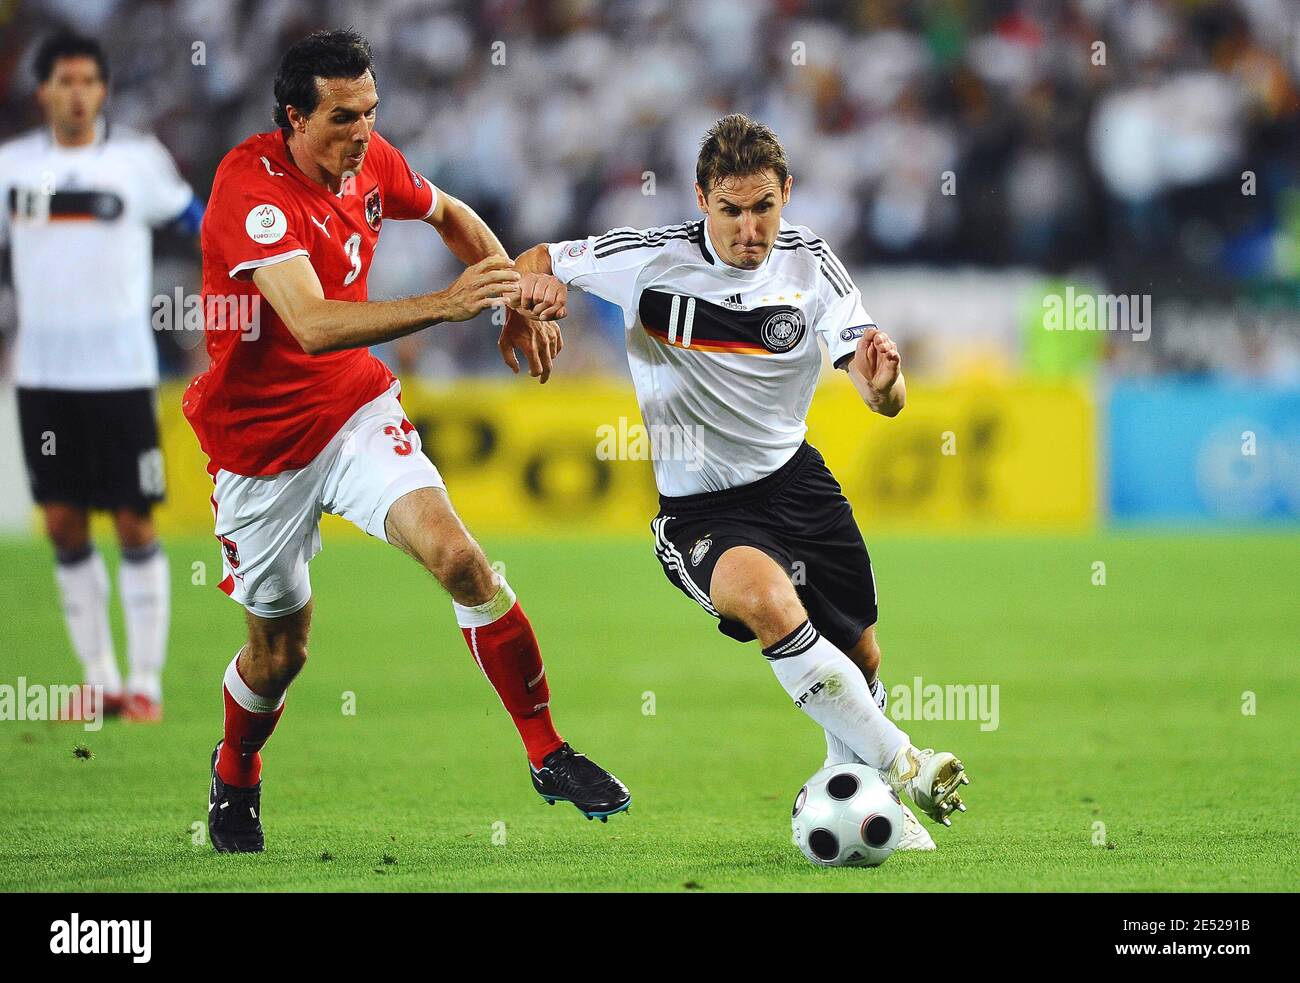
column 67, row 45
column 737, row 146
column 324, row 54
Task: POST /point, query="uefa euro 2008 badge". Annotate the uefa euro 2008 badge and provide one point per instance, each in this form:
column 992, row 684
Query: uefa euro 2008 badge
column 576, row 250
column 265, row 224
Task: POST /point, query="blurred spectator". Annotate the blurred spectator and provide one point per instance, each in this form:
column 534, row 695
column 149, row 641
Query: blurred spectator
column 1099, row 134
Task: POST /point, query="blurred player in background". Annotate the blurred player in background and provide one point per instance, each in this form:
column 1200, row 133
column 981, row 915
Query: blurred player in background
column 78, row 200
column 722, row 317
column 298, row 418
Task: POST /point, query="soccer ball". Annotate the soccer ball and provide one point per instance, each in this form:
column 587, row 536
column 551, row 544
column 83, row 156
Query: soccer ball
column 847, row 816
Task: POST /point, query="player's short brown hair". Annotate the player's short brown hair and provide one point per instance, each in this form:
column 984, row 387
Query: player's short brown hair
column 737, row 146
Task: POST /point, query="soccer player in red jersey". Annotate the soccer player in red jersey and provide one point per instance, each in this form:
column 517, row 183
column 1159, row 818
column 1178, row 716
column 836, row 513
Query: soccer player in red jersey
column 298, row 418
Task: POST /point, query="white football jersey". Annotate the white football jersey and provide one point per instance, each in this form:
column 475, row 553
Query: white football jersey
column 724, row 360
column 78, row 221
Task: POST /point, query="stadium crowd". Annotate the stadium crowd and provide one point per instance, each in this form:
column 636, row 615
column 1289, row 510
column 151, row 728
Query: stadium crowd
column 1153, row 142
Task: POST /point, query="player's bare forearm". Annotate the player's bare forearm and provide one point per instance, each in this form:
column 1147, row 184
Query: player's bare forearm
column 535, row 260
column 319, row 325
column 336, row 325
column 466, row 235
column 887, row 403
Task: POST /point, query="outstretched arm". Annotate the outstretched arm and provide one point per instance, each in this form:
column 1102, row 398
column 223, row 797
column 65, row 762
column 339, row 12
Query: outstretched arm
column 877, row 372
column 293, row 290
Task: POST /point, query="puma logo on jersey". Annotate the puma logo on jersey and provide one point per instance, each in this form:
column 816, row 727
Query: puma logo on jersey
column 321, row 225
column 267, row 164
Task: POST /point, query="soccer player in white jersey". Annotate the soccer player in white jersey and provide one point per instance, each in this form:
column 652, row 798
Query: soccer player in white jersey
column 722, row 318
column 78, row 201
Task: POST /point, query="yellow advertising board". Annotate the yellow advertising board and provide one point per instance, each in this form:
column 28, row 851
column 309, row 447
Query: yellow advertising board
column 520, row 458
column 975, row 455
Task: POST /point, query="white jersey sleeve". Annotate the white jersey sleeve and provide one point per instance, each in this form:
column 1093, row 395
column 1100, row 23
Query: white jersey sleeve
column 599, row 266
column 842, row 319
column 167, row 193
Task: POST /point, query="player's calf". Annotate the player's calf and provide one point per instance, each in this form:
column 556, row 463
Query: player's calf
column 504, row 646
column 748, row 586
column 253, row 692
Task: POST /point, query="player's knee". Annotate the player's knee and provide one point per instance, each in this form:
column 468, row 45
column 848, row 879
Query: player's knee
column 276, row 652
column 68, row 529
column 291, row 658
column 769, row 608
column 134, row 529
column 283, row 657
column 463, row 570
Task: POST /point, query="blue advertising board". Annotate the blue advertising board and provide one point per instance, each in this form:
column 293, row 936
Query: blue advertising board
column 1203, row 451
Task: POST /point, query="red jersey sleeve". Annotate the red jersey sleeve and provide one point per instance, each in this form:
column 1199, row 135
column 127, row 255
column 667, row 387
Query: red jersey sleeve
column 407, row 193
column 251, row 220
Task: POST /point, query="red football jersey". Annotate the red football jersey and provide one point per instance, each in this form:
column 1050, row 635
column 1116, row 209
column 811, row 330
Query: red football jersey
column 264, row 405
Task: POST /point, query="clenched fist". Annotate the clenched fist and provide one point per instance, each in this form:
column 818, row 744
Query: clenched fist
column 877, row 360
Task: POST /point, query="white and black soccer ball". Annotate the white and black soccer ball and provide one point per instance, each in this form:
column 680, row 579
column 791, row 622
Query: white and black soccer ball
column 847, row 816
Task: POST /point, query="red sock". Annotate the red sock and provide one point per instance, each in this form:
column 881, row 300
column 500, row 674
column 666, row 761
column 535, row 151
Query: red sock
column 506, row 650
column 250, row 719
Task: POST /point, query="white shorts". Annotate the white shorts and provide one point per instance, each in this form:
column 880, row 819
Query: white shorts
column 269, row 526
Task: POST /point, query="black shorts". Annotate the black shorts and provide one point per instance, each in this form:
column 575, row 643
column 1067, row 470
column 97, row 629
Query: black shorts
column 797, row 516
column 92, row 449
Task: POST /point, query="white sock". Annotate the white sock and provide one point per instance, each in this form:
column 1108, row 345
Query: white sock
column 83, row 590
column 145, row 585
column 482, row 615
column 839, row 753
column 827, row 686
column 234, row 684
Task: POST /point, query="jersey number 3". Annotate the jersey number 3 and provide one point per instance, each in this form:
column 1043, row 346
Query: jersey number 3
column 353, row 249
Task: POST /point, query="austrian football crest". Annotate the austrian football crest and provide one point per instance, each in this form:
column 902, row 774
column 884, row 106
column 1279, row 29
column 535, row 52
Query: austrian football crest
column 374, row 209
column 231, row 551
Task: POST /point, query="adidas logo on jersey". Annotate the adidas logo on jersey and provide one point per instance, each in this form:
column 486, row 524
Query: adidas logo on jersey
column 734, row 303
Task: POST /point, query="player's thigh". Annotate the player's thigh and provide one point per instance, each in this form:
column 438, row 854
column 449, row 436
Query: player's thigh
column 67, row 526
column 383, row 483
column 269, row 529
column 423, row 524
column 833, row 574
column 689, row 548
column 376, row 460
column 123, row 450
column 749, row 586
column 56, row 451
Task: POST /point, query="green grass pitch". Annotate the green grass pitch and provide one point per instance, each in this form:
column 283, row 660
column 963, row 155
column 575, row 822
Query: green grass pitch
column 1119, row 704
